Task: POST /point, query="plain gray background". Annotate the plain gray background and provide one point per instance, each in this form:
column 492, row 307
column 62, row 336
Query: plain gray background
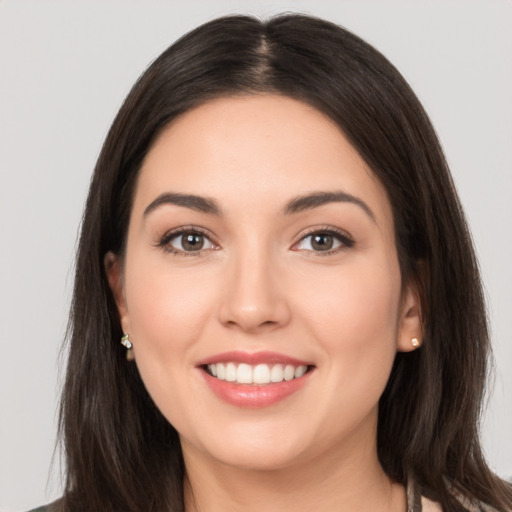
column 66, row 66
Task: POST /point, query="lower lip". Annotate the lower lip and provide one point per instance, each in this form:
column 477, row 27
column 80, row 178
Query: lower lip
column 253, row 396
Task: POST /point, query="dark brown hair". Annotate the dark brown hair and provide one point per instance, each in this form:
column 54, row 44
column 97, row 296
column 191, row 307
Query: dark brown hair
column 121, row 453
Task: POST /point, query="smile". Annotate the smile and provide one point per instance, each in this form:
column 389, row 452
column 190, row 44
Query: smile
column 254, row 380
column 259, row 374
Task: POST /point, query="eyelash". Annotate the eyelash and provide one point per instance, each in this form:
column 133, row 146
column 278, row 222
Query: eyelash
column 346, row 242
column 165, row 241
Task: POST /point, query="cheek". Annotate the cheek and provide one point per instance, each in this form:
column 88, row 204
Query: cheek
column 167, row 312
column 354, row 313
column 354, row 323
column 165, row 308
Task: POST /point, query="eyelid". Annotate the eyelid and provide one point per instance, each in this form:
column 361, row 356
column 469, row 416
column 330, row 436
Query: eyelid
column 345, row 239
column 164, row 241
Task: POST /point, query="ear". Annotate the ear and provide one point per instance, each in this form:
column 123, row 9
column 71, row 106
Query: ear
column 113, row 270
column 410, row 328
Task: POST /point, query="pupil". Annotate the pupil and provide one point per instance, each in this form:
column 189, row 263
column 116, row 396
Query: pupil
column 322, row 242
column 193, row 242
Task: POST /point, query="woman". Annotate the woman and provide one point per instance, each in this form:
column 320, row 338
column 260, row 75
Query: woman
column 273, row 235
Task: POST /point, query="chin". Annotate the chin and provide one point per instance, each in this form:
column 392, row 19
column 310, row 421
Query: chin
column 255, row 450
column 258, row 459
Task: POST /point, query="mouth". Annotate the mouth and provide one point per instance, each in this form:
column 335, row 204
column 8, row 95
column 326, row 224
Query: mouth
column 256, row 375
column 254, row 380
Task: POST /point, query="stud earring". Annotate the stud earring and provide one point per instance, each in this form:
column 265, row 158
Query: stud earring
column 128, row 344
column 414, row 342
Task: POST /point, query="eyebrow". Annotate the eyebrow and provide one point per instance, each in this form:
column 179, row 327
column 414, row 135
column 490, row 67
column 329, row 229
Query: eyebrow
column 197, row 203
column 316, row 199
column 298, row 204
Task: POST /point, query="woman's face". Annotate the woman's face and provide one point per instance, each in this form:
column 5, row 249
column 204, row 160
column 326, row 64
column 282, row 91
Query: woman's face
column 260, row 247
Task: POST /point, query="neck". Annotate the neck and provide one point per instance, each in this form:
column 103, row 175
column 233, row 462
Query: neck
column 333, row 482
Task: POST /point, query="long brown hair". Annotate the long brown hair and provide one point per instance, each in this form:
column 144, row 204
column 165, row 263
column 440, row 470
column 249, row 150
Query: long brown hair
column 121, row 453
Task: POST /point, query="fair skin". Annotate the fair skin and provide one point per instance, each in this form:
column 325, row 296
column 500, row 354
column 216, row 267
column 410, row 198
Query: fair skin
column 315, row 282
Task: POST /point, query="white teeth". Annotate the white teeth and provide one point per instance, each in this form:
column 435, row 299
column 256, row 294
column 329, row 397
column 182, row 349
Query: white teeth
column 259, row 374
column 300, row 371
column 277, row 373
column 221, row 371
column 244, row 374
column 231, row 372
column 289, row 372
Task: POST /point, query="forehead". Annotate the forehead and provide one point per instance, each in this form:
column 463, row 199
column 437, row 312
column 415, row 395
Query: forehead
column 256, row 151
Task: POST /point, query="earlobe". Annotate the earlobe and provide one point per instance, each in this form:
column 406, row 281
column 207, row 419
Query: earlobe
column 113, row 272
column 410, row 332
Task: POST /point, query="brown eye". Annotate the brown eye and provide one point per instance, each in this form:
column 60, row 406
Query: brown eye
column 322, row 242
column 190, row 241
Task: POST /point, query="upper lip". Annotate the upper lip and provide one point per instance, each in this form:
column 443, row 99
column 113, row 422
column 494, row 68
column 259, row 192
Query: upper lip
column 264, row 357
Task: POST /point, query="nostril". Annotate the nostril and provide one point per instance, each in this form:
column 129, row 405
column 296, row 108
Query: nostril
column 251, row 323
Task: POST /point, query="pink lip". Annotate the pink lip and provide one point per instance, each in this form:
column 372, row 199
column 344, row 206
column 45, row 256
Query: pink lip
column 250, row 395
column 254, row 396
column 237, row 356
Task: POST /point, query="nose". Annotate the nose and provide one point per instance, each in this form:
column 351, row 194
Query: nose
column 254, row 296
